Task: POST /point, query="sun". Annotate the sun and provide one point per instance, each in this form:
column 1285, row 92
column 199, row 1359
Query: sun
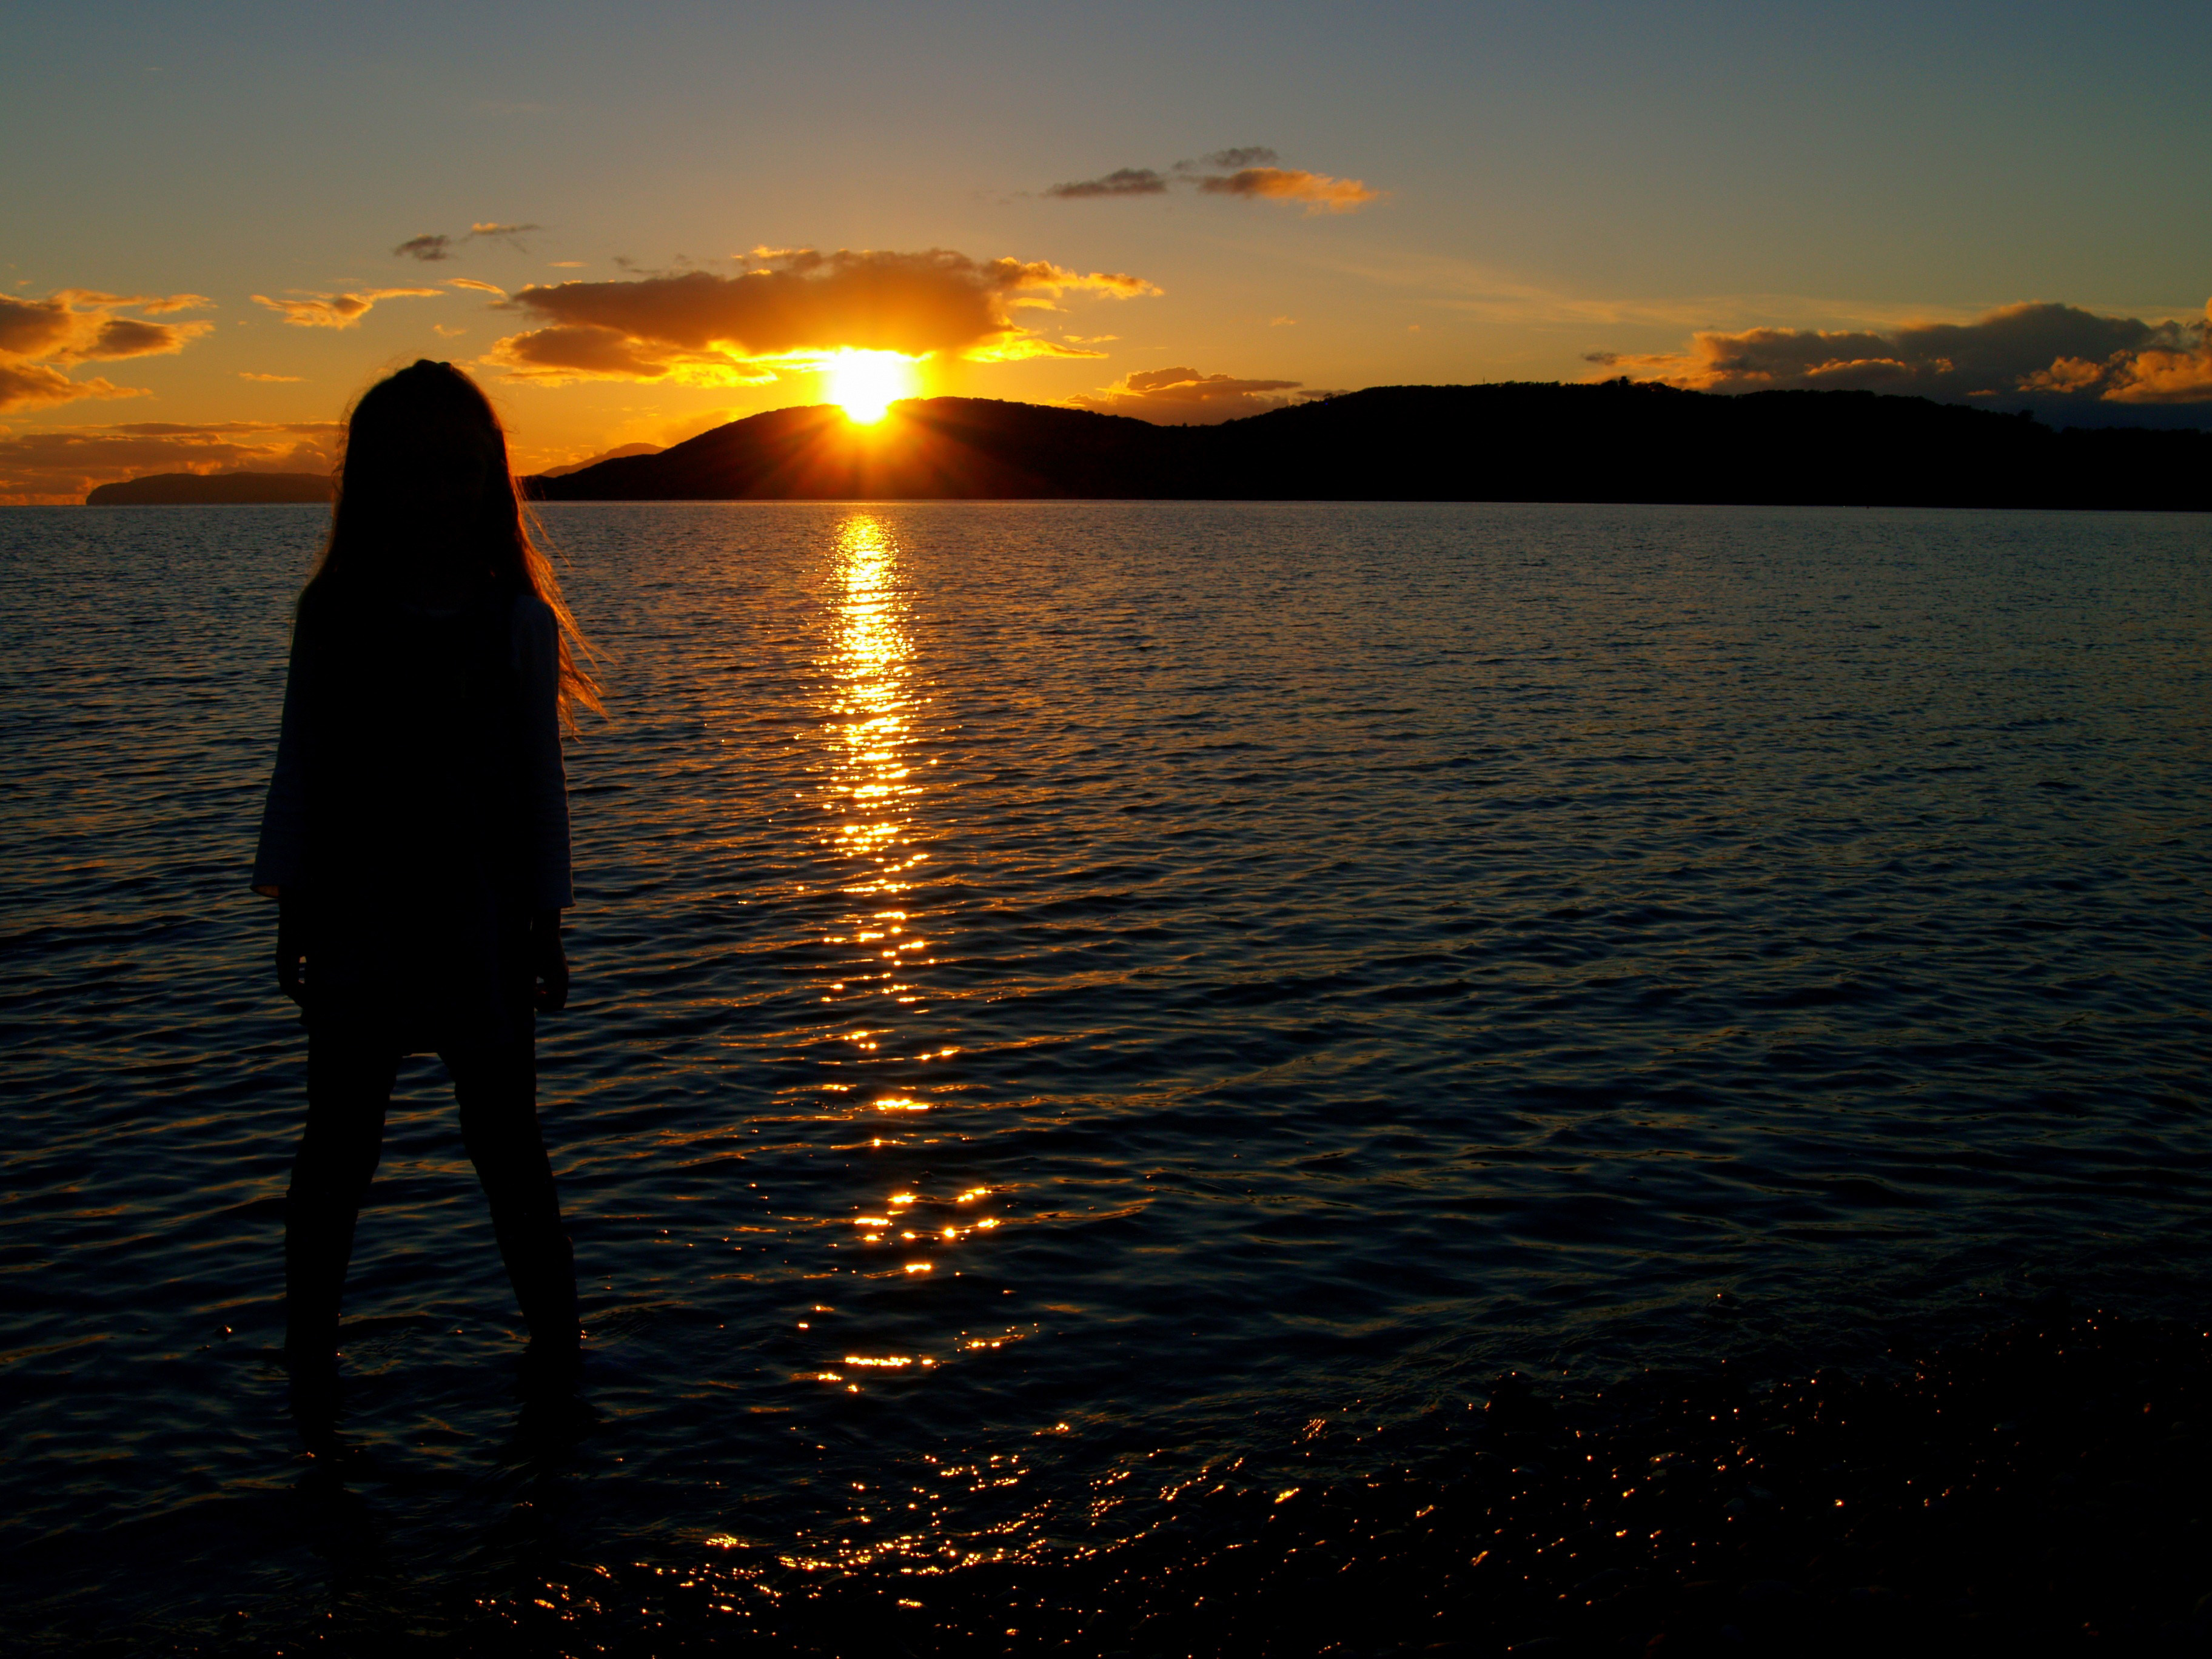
column 865, row 384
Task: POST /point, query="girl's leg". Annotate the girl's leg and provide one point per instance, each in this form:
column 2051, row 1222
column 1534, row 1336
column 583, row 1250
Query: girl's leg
column 496, row 1084
column 348, row 1087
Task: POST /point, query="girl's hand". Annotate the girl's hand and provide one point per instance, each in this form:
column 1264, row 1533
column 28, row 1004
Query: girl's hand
column 291, row 951
column 549, row 965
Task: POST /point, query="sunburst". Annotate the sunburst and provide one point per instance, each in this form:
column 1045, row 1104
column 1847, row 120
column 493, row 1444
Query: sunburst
column 865, row 384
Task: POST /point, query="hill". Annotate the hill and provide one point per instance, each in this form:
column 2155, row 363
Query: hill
column 1616, row 442
column 604, row 455
column 205, row 489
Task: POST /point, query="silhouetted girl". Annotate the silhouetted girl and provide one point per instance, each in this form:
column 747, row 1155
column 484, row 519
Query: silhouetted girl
column 417, row 836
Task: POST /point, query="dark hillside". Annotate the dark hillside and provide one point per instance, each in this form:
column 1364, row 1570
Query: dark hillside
column 1653, row 443
column 1514, row 442
column 940, row 447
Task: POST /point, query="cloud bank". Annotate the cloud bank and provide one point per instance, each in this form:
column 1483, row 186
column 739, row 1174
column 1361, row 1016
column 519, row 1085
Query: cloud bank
column 791, row 307
column 1248, row 172
column 2034, row 351
column 1183, row 396
column 61, row 464
column 41, row 340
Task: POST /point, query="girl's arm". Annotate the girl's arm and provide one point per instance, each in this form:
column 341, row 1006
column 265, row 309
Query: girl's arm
column 545, row 787
column 546, row 782
column 280, row 860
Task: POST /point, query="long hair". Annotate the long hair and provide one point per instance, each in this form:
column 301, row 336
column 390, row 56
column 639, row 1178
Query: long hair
column 427, row 440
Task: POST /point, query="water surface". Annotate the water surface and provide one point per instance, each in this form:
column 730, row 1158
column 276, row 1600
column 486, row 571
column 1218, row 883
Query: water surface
column 1072, row 996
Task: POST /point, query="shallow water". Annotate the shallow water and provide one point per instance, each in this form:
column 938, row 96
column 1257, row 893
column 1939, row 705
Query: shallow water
column 1071, row 996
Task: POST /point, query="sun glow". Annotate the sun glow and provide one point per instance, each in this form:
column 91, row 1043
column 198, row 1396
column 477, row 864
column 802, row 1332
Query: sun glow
column 866, row 384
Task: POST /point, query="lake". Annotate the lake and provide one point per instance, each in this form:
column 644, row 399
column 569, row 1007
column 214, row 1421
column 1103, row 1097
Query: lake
column 1081, row 1002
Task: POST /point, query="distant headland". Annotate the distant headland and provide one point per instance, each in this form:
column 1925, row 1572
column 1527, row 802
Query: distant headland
column 1613, row 441
column 210, row 489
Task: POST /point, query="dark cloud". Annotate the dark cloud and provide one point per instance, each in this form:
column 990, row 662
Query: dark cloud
column 1248, row 172
column 510, row 234
column 432, row 245
column 40, row 339
column 792, row 306
column 128, row 337
column 61, row 464
column 1122, row 181
column 338, row 310
column 1252, row 155
column 1183, row 396
column 585, row 351
column 2034, row 352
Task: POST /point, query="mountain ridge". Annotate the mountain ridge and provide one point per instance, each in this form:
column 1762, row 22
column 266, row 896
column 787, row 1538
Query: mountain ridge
column 1511, row 440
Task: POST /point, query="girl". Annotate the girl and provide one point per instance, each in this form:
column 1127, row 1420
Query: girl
column 416, row 836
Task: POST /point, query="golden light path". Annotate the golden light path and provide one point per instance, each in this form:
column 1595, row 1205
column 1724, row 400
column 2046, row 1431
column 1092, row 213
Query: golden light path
column 871, row 712
column 866, row 384
column 873, row 701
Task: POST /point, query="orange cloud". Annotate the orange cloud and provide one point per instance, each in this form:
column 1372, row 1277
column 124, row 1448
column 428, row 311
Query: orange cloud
column 41, row 339
column 2166, row 374
column 1320, row 192
column 790, row 308
column 2064, row 374
column 1183, row 396
column 2035, row 350
column 61, row 464
column 37, row 386
column 338, row 310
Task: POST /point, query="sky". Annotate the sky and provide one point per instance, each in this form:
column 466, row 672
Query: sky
column 636, row 221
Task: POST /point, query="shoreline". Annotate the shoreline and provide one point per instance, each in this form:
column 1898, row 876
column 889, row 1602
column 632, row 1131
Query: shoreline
column 2041, row 1488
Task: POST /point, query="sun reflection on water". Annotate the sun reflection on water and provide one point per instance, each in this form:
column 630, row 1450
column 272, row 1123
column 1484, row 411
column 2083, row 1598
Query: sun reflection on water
column 867, row 798
column 872, row 714
column 881, row 1065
